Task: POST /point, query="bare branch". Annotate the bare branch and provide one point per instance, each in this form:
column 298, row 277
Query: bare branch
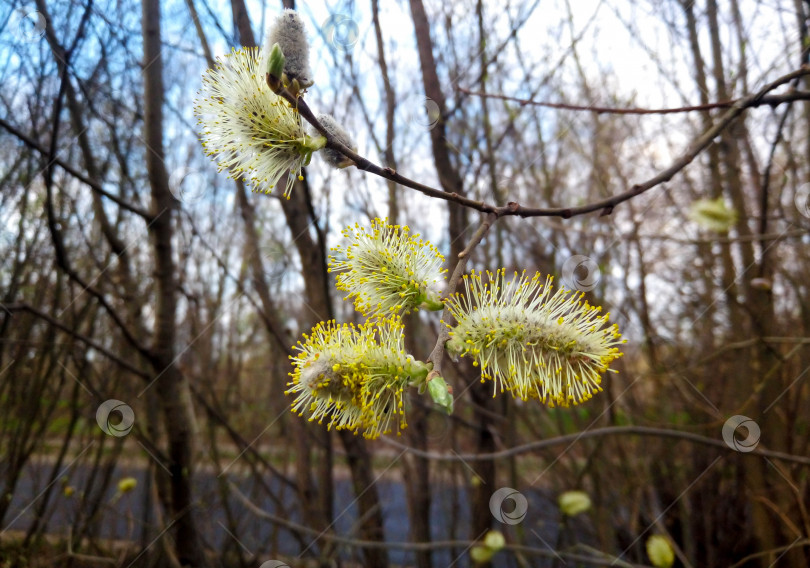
column 514, row 209
column 435, row 545
column 769, row 100
column 596, row 433
column 437, row 355
column 22, row 307
column 34, row 145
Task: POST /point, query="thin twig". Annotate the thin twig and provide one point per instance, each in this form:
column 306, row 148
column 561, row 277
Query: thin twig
column 437, row 355
column 762, row 553
column 23, row 307
column 770, row 100
column 595, row 433
column 606, row 205
column 435, row 545
column 34, row 145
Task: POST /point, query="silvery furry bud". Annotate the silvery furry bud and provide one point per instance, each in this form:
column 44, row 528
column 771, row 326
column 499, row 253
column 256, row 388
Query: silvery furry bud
column 333, row 157
column 289, row 33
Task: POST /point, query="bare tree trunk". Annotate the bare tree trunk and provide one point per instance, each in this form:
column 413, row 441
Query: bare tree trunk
column 316, row 505
column 416, row 469
column 451, row 182
column 802, row 8
column 301, row 220
column 485, row 409
column 170, row 384
column 715, row 187
column 754, row 473
column 390, row 106
column 449, row 177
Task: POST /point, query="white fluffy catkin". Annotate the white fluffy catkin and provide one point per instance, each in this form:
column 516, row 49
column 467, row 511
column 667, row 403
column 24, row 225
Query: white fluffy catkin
column 333, row 157
column 289, row 32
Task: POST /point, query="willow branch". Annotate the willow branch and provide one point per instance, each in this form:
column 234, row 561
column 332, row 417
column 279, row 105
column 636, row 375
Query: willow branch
column 719, row 240
column 34, row 145
column 606, row 206
column 595, row 433
column 413, row 546
column 437, row 355
column 22, row 307
column 769, row 100
column 695, row 148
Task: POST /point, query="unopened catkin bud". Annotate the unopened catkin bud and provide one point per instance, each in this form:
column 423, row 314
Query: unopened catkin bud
column 289, row 33
column 660, row 551
column 573, row 503
column 333, row 157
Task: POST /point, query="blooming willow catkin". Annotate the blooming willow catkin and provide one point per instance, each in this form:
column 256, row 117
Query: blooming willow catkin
column 247, row 128
column 354, row 377
column 531, row 341
column 388, row 269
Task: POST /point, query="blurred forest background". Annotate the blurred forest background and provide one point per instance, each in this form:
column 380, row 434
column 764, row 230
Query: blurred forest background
column 130, row 270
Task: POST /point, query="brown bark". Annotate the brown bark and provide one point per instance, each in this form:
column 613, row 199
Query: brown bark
column 416, row 469
column 715, row 188
column 170, row 384
column 750, row 310
column 390, row 106
column 449, row 178
column 451, row 182
column 317, row 505
column 301, row 220
column 758, row 479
